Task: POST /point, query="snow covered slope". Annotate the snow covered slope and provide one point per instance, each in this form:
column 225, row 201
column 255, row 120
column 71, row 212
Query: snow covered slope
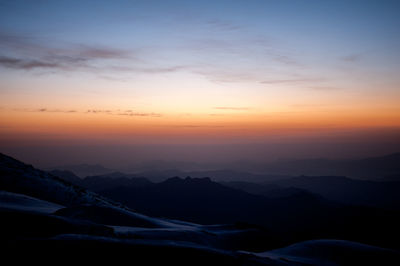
column 11, row 200
column 333, row 252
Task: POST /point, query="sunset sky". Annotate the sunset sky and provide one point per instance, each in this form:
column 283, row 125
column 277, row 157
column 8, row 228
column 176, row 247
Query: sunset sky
column 120, row 73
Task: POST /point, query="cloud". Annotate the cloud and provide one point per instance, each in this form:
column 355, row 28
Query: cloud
column 93, row 111
column 98, row 111
column 90, row 52
column 232, row 108
column 352, row 57
column 223, row 25
column 325, row 88
column 123, row 113
column 28, row 53
column 308, row 105
column 302, row 80
column 285, row 59
column 140, row 114
column 82, row 62
column 150, row 70
column 45, row 110
column 216, row 114
column 209, row 57
column 26, row 64
column 18, row 42
column 231, row 59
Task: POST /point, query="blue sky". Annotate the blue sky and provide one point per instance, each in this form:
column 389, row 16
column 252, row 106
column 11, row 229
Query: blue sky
column 317, row 44
column 227, row 70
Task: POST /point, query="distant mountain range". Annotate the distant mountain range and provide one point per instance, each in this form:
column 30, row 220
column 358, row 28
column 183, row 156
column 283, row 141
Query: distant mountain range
column 318, row 204
column 375, row 168
column 387, row 166
column 382, row 192
column 44, row 217
column 42, row 212
column 83, row 170
column 371, row 168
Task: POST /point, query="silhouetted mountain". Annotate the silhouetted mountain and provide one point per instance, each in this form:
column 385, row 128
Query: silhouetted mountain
column 347, row 190
column 163, row 165
column 296, row 216
column 18, row 177
column 218, row 175
column 388, row 165
column 370, row 168
column 61, row 218
column 114, row 180
column 201, row 200
column 83, row 170
column 43, row 213
column 102, row 182
column 67, row 176
column 268, row 190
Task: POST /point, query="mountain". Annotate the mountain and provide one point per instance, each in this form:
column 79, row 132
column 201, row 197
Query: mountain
column 290, row 215
column 368, row 168
column 204, row 201
column 113, row 180
column 269, row 190
column 218, row 175
column 103, row 182
column 67, row 176
column 384, row 194
column 24, row 179
column 41, row 212
column 83, row 170
column 373, row 168
column 45, row 219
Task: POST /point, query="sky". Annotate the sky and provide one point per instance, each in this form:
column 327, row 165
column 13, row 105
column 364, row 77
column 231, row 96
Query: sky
column 99, row 81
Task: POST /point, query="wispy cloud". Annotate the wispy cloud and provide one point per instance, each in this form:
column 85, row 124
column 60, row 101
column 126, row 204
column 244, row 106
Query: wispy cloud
column 123, row 112
column 307, row 105
column 222, row 25
column 149, row 70
column 78, row 58
column 89, row 52
column 98, row 111
column 352, row 57
column 300, row 80
column 26, row 64
column 140, row 114
column 208, row 57
column 232, row 108
column 230, row 59
column 117, row 112
column 325, row 88
column 26, row 53
column 45, row 110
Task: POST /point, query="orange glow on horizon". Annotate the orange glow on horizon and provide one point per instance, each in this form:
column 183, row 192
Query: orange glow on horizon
column 154, row 127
